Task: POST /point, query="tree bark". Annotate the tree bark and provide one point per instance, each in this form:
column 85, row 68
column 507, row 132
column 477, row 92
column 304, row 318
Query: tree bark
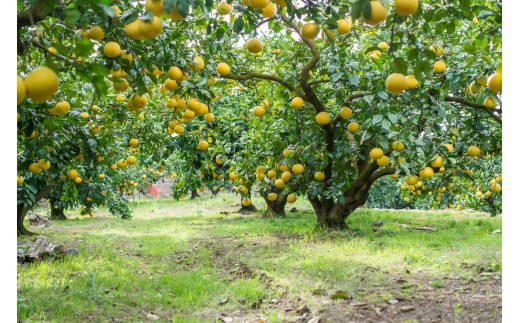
column 214, row 192
column 275, row 209
column 194, row 194
column 21, row 211
column 247, row 209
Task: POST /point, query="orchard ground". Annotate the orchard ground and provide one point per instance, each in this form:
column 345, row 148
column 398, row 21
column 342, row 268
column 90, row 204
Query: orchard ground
column 192, row 261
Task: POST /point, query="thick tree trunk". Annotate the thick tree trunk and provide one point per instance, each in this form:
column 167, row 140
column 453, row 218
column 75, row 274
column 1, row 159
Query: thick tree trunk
column 56, row 212
column 332, row 215
column 275, row 209
column 194, row 194
column 21, row 211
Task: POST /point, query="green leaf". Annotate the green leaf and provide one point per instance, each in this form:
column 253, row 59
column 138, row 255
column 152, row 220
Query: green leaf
column 366, row 9
column 71, row 15
column 356, row 10
column 401, row 65
column 469, row 48
column 183, row 7
column 469, row 61
column 168, row 5
column 392, row 117
column 238, row 25
column 353, row 79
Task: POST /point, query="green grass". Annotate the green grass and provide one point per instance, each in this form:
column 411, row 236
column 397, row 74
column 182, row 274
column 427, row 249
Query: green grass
column 181, row 259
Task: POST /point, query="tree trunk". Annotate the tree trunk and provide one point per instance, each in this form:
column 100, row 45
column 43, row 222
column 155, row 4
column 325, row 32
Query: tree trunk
column 332, row 215
column 56, row 212
column 21, row 211
column 275, row 209
column 247, row 209
column 214, row 192
column 194, row 194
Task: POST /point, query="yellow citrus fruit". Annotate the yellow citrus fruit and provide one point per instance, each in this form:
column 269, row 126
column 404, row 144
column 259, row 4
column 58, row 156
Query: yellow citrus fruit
column 272, row 197
column 223, row 8
column 438, row 162
column 279, row 183
column 439, row 66
column 411, row 81
column 34, row 168
column 319, row 176
column 209, row 117
column 254, row 45
column 133, row 29
column 44, row 164
column 203, row 145
column 323, row 118
column 345, row 112
column 139, row 102
column 269, row 11
column 297, row 102
column 96, row 33
column 175, row 73
column 72, row 174
column 297, row 169
column 131, row 160
column 122, row 163
column 495, row 188
column 19, row 180
column 394, row 176
column 112, row 49
column 343, row 27
column 473, row 151
column 178, row 129
column 449, row 147
column 121, row 85
column 383, row 161
column 494, row 83
column 41, row 84
column 406, row 7
column 52, row 50
column 21, row 90
column 426, row 172
column 271, row 174
column 151, row 28
column 223, row 69
column 156, row 6
column 489, row 102
column 399, row 146
column 309, row 30
column 396, row 82
column 437, row 49
column 194, row 104
column 378, row 13
column 291, row 198
column 198, row 65
column 382, row 45
column 353, row 127
column 258, row 111
column 258, row 4
column 412, row 180
column 246, row 201
column 286, row 176
column 376, row 153
column 188, row 115
column 78, row 180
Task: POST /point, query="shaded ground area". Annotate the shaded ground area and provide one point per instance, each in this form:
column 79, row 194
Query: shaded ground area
column 192, row 261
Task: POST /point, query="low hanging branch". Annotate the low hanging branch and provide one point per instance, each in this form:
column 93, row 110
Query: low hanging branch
column 489, row 111
column 29, row 17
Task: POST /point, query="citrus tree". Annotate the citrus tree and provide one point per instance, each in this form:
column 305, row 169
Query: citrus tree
column 350, row 113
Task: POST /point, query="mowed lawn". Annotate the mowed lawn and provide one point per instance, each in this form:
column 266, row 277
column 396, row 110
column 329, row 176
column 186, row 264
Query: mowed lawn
column 200, row 261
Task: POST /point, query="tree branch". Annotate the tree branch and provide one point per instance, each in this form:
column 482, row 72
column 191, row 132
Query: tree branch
column 249, row 76
column 462, row 101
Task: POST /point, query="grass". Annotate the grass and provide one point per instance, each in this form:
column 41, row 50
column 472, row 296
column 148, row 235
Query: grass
column 178, row 260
